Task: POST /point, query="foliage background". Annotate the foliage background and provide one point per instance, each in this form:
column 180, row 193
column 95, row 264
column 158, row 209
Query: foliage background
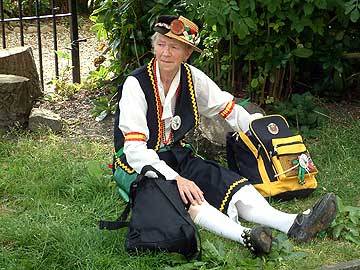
column 269, row 48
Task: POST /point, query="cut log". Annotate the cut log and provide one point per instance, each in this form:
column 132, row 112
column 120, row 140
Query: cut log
column 20, row 61
column 15, row 101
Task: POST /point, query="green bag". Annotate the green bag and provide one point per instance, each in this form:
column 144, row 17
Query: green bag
column 123, row 181
column 122, row 178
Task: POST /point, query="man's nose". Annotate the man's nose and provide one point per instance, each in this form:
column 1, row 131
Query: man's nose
column 167, row 50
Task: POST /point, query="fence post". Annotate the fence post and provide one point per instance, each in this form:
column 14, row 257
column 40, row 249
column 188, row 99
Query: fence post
column 74, row 42
column 2, row 24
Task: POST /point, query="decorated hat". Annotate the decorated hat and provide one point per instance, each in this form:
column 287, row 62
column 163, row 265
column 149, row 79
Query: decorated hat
column 180, row 28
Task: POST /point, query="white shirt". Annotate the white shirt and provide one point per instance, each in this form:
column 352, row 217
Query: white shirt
column 211, row 100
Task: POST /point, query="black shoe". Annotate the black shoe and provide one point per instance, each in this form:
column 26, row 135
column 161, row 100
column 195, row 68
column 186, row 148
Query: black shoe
column 258, row 240
column 306, row 226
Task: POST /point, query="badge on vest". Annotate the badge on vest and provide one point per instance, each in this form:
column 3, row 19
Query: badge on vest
column 176, row 122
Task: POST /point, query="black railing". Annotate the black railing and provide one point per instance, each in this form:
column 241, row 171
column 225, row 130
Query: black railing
column 74, row 37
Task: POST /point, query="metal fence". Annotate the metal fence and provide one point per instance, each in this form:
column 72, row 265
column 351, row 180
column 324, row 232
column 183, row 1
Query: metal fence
column 74, row 36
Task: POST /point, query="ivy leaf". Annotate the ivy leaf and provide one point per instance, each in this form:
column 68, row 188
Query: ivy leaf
column 302, row 52
column 354, row 16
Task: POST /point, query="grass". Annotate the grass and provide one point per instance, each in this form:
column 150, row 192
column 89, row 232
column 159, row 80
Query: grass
column 54, row 190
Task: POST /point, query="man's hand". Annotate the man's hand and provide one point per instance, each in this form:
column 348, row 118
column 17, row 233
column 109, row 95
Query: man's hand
column 189, row 191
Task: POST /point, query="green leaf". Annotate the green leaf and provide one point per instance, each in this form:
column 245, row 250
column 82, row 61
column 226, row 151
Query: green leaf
column 241, row 29
column 272, row 8
column 349, row 7
column 321, row 4
column 340, row 35
column 339, row 204
column 336, row 231
column 308, row 9
column 254, row 83
column 212, row 252
column 250, row 22
column 252, row 5
column 299, row 27
column 354, row 16
column 352, row 239
column 302, row 52
column 63, row 55
column 163, row 2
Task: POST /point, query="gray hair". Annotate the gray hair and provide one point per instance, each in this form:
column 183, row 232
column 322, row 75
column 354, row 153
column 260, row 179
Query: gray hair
column 155, row 36
column 153, row 39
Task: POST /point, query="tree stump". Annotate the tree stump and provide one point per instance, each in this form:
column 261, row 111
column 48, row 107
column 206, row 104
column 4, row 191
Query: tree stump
column 15, row 100
column 20, row 61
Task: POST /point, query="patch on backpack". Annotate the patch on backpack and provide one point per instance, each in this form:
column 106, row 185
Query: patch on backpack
column 273, row 128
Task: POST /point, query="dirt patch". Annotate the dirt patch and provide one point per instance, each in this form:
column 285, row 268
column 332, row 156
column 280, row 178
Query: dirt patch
column 87, row 50
column 76, row 113
column 5, row 210
column 342, row 111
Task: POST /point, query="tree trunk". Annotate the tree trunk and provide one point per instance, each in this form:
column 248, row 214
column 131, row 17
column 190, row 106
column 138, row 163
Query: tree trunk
column 15, row 100
column 20, row 61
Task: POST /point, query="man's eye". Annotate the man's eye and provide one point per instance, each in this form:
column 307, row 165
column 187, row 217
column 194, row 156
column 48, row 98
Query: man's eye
column 175, row 47
column 161, row 44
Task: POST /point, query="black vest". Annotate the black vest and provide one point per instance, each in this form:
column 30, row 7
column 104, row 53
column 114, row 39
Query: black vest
column 186, row 107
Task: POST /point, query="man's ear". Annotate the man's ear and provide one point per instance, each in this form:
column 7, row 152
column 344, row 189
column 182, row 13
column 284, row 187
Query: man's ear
column 188, row 53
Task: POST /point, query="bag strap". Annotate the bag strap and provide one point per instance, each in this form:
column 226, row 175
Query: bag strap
column 121, row 222
column 149, row 168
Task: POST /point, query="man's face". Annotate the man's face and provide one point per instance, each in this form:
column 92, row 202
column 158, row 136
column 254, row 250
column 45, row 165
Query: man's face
column 170, row 53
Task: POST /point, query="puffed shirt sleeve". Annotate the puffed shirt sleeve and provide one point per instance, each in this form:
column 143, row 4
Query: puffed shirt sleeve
column 212, row 101
column 133, row 107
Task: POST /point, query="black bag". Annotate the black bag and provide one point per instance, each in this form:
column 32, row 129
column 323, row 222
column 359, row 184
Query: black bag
column 274, row 160
column 159, row 219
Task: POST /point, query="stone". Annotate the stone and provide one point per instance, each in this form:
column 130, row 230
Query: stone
column 43, row 118
column 350, row 265
column 210, row 137
column 31, row 29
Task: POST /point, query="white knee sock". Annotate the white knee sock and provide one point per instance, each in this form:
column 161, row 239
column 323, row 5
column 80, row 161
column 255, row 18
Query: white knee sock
column 211, row 219
column 252, row 206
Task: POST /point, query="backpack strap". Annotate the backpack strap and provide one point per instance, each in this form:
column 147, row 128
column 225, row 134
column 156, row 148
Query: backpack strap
column 121, row 222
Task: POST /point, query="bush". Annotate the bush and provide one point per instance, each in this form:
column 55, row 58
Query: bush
column 267, row 47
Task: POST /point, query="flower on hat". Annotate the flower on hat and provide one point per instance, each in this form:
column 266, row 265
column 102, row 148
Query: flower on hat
column 179, row 28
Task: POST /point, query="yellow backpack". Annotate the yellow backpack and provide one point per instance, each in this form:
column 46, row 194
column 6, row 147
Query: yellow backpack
column 274, row 160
